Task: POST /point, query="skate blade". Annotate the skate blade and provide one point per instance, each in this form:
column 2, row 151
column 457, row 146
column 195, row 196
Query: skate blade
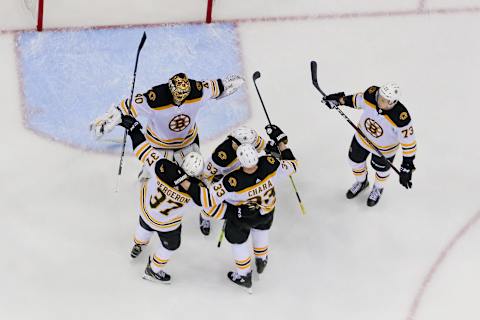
column 152, row 279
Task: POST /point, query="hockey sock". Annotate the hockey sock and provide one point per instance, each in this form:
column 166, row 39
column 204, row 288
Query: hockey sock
column 381, row 178
column 160, row 258
column 260, row 243
column 359, row 170
column 241, row 255
column 142, row 236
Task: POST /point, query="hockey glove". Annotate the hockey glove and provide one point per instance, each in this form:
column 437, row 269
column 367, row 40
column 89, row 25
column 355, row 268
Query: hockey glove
column 247, row 210
column 178, row 175
column 130, row 123
column 276, row 134
column 333, row 100
column 406, row 170
column 272, row 149
column 231, row 85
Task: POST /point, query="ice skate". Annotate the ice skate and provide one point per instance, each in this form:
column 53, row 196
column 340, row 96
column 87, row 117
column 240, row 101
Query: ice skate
column 374, row 196
column 160, row 276
column 356, row 189
column 243, row 281
column 204, row 226
column 136, row 250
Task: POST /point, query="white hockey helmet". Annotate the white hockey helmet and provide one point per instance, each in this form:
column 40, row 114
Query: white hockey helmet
column 247, row 155
column 193, row 164
column 245, row 135
column 390, row 91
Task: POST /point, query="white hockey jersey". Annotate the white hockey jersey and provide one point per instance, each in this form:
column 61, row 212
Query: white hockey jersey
column 387, row 129
column 162, row 206
column 170, row 126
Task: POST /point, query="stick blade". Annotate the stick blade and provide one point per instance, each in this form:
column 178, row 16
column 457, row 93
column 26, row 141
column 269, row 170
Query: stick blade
column 313, row 70
column 256, row 75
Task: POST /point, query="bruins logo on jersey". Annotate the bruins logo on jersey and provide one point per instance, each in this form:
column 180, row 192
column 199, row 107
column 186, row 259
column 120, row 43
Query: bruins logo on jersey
column 371, row 90
column 373, row 127
column 222, row 155
column 403, row 116
column 161, row 169
column 152, row 96
column 179, row 123
column 232, row 181
column 199, row 86
column 271, row 160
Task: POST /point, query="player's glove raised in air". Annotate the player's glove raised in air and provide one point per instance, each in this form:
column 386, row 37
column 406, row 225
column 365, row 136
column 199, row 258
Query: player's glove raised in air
column 333, row 100
column 230, row 85
column 406, row 170
column 130, row 123
column 276, row 134
column 106, row 123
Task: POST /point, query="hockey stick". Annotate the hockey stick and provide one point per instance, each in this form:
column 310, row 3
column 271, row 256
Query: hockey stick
column 255, row 77
column 120, row 165
column 222, row 233
column 313, row 68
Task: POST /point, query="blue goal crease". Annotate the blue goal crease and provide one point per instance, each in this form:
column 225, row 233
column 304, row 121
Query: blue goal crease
column 71, row 77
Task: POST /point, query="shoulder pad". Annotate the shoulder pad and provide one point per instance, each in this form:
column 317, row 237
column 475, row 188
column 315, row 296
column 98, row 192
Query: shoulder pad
column 163, row 170
column 399, row 115
column 196, row 90
column 233, row 181
column 269, row 162
column 224, row 154
column 159, row 96
column 371, row 94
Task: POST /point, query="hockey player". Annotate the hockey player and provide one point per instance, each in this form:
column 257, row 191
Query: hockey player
column 172, row 109
column 252, row 185
column 162, row 202
column 224, row 160
column 388, row 124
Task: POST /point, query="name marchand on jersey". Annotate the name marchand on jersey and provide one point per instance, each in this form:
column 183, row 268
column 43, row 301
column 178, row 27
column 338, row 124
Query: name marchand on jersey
column 175, row 126
column 386, row 129
column 238, row 187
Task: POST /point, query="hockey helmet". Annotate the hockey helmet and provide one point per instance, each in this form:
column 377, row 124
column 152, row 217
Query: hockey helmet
column 390, row 92
column 245, row 135
column 193, row 164
column 247, row 155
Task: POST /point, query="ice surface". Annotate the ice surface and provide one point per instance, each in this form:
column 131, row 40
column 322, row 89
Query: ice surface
column 66, row 236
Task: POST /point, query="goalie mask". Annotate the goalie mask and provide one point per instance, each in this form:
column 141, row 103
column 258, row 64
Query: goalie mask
column 179, row 87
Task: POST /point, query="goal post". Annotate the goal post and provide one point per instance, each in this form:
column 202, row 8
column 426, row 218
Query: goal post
column 35, row 7
column 208, row 18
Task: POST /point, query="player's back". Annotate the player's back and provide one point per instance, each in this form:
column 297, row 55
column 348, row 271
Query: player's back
column 162, row 204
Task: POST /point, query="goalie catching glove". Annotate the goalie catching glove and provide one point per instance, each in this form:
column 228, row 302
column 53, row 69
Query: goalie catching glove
column 333, row 100
column 230, row 85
